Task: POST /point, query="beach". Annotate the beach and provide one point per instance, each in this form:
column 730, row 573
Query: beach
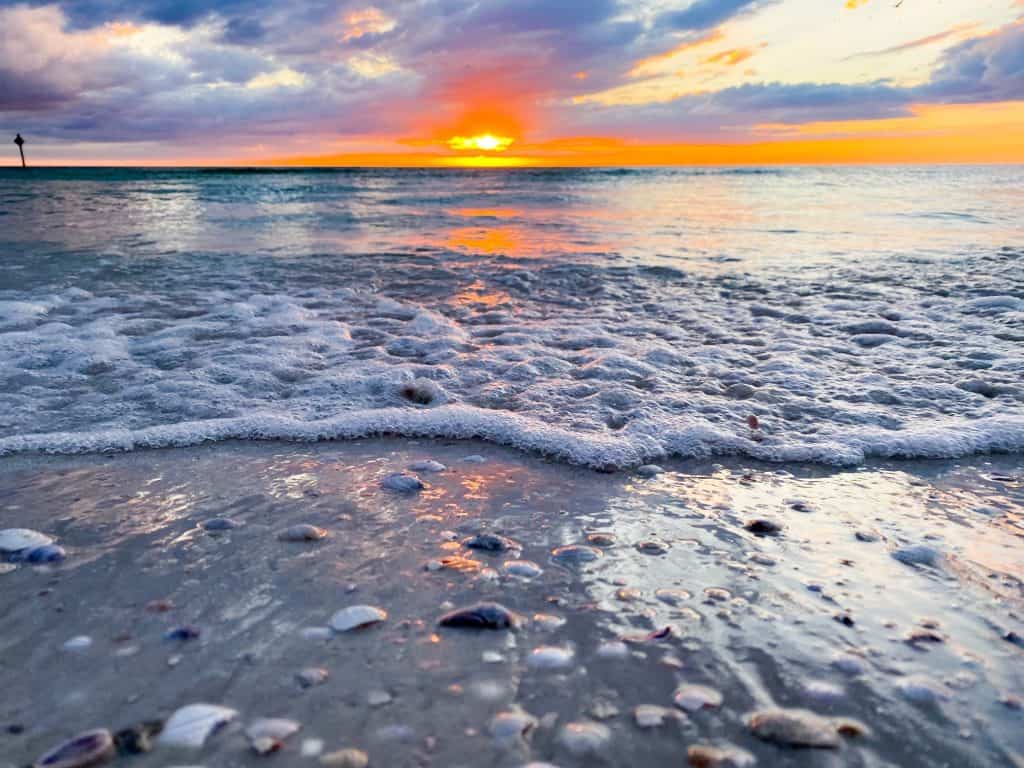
column 458, row 468
column 820, row 615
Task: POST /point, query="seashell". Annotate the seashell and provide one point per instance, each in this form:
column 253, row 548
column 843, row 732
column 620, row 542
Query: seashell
column 138, row 739
column 357, row 617
column 17, row 539
column 550, row 657
column 920, row 690
column 190, row 726
column 85, row 749
column 651, row 548
column 651, row 715
column 704, row 756
column 916, row 555
column 696, row 697
column 79, row 643
column 402, row 482
column 613, row 649
column 302, row 532
column 490, row 542
column 869, row 537
column 649, row 470
column 268, row 734
column 183, row 633
column 427, row 465
column 763, row 527
column 311, row 676
column 575, row 554
column 454, row 563
column 7, row 568
column 672, row 596
column 600, row 539
column 583, row 738
column 794, row 728
column 480, row 616
column 346, row 758
column 548, row 622
column 762, row 559
column 512, row 728
column 717, row 594
column 524, row 569
column 378, row 698
column 218, row 524
column 46, row 554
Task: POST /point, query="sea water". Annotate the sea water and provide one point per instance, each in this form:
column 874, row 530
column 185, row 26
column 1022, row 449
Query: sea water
column 602, row 317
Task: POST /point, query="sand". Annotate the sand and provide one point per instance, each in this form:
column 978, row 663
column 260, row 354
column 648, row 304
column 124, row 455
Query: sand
column 813, row 617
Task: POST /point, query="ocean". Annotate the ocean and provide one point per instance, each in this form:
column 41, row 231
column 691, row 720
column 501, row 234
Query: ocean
column 601, row 317
column 380, row 397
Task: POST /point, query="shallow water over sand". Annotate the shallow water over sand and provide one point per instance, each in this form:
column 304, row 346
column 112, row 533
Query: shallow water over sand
column 813, row 617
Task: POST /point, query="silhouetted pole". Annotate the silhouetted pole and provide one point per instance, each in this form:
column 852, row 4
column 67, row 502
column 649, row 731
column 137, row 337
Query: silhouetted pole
column 20, row 141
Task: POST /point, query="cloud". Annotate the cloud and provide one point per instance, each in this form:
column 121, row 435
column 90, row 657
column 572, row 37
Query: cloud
column 986, row 68
column 704, row 14
column 955, row 31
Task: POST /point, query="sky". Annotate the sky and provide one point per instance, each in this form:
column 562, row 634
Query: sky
column 512, row 82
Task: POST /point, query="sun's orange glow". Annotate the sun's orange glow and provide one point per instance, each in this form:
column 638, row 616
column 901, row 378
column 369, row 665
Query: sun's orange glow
column 486, row 142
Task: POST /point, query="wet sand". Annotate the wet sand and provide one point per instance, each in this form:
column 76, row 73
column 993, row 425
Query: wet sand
column 813, row 617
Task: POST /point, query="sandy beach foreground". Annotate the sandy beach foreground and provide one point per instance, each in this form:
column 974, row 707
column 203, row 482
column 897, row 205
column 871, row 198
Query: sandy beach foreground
column 888, row 602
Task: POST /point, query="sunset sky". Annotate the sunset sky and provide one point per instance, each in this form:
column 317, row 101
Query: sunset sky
column 513, row 82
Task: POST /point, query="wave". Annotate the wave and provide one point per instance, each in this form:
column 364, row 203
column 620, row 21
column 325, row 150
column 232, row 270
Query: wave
column 640, row 443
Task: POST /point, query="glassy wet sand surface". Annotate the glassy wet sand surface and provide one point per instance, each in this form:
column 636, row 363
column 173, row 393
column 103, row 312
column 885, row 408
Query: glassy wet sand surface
column 725, row 465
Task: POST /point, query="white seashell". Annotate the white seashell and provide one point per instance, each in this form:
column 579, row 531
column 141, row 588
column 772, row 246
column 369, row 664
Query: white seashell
column 427, row 465
column 695, row 697
column 550, row 657
column 356, row 616
column 80, row 643
column 524, row 569
column 192, row 725
column 582, row 738
column 651, row 715
column 267, row 733
column 17, row 539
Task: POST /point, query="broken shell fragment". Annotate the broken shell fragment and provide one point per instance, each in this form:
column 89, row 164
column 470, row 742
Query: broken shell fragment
column 268, row 734
column 86, row 749
column 356, row 617
column 480, row 616
column 192, row 725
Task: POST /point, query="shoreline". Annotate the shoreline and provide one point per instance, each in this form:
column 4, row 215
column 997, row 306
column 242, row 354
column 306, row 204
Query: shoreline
column 756, row 618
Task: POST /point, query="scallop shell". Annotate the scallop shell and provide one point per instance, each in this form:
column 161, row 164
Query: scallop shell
column 193, row 724
column 356, row 616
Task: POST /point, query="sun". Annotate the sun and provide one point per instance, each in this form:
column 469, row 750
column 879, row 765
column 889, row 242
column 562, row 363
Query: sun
column 486, row 142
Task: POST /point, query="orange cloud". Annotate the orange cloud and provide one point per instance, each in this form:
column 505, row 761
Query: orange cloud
column 644, row 66
column 369, row 21
column 731, row 57
column 852, row 4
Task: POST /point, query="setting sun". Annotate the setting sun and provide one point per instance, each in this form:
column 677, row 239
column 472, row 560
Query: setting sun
column 485, row 141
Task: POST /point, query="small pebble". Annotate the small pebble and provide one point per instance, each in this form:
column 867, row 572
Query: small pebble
column 548, row 622
column 651, row 548
column 346, row 758
column 490, row 542
column 402, row 482
column 763, row 527
column 696, row 697
column 672, row 596
column 48, row 554
column 613, row 649
column 550, row 657
column 302, row 532
column 584, row 738
column 378, row 698
column 312, row 676
column 794, row 728
column 705, row 756
column 512, row 728
column 218, row 524
column 916, row 555
column 868, row 537
column 575, row 554
column 427, row 465
column 524, row 569
column 601, row 539
column 183, row 633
